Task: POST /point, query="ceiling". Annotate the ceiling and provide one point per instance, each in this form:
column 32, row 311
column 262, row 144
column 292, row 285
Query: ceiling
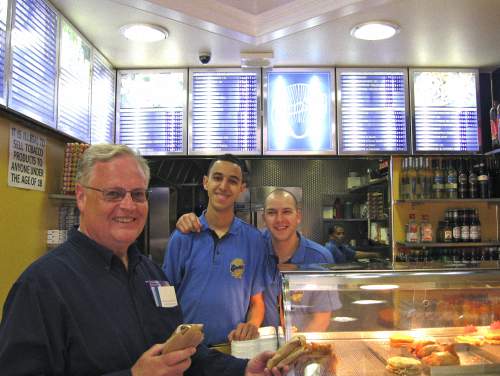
column 434, row 33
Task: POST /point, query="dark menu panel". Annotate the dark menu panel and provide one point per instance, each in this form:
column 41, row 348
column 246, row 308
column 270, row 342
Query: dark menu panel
column 224, row 112
column 445, row 110
column 299, row 112
column 152, row 111
column 372, row 111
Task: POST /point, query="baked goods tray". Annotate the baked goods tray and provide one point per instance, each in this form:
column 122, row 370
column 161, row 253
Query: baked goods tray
column 474, row 360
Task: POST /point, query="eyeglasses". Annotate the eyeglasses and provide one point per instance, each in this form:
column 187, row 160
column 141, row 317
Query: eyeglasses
column 118, row 194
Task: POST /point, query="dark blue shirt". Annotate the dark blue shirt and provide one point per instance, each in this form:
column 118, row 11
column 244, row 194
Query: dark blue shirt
column 342, row 253
column 78, row 311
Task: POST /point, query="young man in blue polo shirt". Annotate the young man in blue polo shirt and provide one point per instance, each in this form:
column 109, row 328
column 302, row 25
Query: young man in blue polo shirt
column 219, row 273
column 312, row 311
column 340, row 250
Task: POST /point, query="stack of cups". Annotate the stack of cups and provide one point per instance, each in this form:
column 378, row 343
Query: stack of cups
column 267, row 341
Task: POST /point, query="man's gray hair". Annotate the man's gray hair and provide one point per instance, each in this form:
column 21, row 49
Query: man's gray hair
column 105, row 153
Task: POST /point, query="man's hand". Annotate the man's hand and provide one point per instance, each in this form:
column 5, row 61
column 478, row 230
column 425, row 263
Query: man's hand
column 187, row 223
column 257, row 366
column 154, row 363
column 244, row 331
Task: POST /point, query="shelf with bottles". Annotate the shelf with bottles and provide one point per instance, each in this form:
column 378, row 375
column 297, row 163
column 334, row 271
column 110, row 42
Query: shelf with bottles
column 449, row 200
column 449, row 245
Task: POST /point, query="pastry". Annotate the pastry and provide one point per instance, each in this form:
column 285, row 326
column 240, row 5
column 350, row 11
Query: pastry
column 404, row 366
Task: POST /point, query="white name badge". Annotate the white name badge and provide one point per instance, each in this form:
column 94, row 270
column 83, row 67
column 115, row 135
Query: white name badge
column 168, row 298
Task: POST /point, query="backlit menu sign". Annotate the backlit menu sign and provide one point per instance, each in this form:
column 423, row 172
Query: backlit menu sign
column 152, row 111
column 299, row 114
column 372, row 109
column 224, row 112
column 445, row 110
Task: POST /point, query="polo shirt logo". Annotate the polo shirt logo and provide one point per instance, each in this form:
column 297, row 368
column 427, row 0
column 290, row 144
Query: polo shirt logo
column 237, row 268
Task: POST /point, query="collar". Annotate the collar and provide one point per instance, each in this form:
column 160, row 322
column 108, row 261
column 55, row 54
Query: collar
column 299, row 254
column 98, row 255
column 234, row 229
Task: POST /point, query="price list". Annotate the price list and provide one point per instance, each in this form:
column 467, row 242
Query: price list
column 152, row 112
column 224, row 113
column 445, row 111
column 372, row 112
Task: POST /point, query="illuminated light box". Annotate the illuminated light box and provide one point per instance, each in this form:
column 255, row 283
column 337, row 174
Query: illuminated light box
column 224, row 114
column 152, row 111
column 372, row 107
column 445, row 107
column 299, row 113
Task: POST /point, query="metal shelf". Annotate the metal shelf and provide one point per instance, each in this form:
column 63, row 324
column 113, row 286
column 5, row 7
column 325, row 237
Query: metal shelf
column 449, row 245
column 450, row 200
column 345, row 220
column 493, row 152
column 62, row 197
column 372, row 183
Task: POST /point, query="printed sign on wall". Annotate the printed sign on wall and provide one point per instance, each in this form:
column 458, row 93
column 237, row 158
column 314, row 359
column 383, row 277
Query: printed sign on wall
column 27, row 151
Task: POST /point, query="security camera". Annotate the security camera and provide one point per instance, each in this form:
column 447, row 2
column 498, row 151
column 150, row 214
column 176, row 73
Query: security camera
column 205, row 57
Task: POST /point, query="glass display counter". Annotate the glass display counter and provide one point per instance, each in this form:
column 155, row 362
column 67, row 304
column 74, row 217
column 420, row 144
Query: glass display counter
column 365, row 309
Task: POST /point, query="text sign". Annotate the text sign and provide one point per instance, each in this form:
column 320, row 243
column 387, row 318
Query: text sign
column 27, row 152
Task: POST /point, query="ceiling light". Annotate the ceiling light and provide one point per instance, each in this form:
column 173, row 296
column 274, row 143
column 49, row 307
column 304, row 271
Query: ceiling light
column 144, row 32
column 375, row 30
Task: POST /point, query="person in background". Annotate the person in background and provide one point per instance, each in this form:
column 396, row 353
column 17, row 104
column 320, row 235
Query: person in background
column 340, row 250
column 219, row 273
column 88, row 307
column 285, row 247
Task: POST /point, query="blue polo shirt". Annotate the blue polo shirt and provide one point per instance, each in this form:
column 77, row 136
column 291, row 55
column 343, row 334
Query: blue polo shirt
column 308, row 252
column 342, row 253
column 215, row 278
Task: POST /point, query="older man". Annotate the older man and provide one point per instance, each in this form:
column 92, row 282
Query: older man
column 88, row 307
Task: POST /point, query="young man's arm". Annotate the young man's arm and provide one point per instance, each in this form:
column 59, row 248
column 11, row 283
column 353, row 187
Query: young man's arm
column 319, row 322
column 255, row 316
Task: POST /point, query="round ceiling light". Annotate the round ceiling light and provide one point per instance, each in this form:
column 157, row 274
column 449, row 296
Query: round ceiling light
column 144, row 32
column 375, row 30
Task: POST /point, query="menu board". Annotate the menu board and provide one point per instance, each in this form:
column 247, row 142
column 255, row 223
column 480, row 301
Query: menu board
column 152, row 111
column 372, row 111
column 299, row 112
column 224, row 112
column 445, row 109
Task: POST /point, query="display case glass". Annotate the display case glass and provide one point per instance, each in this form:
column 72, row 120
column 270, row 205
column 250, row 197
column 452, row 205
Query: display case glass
column 369, row 307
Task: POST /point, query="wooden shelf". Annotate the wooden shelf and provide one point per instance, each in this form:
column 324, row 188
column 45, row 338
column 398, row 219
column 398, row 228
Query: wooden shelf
column 450, row 200
column 449, row 245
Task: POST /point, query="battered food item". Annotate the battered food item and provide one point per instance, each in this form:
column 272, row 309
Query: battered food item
column 471, row 340
column 420, row 343
column 493, row 337
column 186, row 335
column 399, row 340
column 289, row 352
column 442, row 358
column 428, row 350
column 404, row 366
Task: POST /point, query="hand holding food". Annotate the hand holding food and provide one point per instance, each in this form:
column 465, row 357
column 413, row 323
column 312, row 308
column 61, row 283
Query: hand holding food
column 186, row 335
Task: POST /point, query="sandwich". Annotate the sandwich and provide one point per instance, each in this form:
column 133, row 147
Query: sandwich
column 186, row 335
column 492, row 337
column 289, row 352
column 404, row 366
column 470, row 340
column 399, row 340
column 420, row 343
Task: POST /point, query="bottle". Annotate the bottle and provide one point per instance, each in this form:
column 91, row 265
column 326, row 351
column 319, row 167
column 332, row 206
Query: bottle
column 403, row 180
column 412, row 231
column 447, row 232
column 495, row 177
column 438, row 183
column 338, row 208
column 463, row 180
column 464, row 225
column 419, row 167
column 498, row 124
column 425, row 229
column 472, row 180
column 456, row 226
column 483, row 180
column 451, row 180
column 494, row 121
column 428, row 178
column 475, row 227
column 412, row 179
